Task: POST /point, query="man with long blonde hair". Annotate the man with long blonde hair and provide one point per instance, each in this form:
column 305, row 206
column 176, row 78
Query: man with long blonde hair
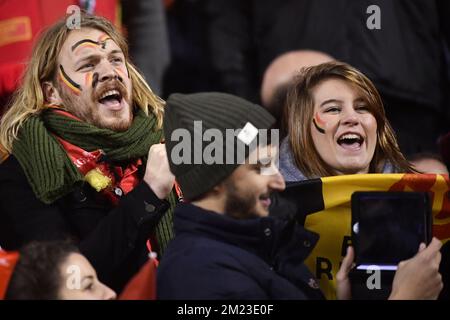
column 85, row 161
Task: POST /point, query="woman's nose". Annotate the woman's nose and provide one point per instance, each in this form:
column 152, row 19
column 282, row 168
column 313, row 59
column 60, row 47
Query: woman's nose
column 349, row 117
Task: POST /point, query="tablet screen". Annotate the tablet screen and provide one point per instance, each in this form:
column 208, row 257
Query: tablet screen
column 388, row 227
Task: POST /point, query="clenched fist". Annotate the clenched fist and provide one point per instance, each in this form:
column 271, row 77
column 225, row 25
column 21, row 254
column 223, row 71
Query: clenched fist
column 157, row 173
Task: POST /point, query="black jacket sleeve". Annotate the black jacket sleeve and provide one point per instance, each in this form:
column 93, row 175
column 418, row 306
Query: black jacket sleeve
column 118, row 240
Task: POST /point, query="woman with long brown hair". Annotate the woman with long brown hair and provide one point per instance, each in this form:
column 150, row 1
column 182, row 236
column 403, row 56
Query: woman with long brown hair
column 337, row 125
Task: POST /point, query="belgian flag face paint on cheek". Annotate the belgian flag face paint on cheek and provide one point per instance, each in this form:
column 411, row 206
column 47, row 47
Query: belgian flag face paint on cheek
column 319, row 124
column 72, row 85
column 88, row 79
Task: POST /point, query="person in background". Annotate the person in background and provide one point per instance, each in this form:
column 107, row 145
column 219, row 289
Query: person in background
column 53, row 271
column 428, row 163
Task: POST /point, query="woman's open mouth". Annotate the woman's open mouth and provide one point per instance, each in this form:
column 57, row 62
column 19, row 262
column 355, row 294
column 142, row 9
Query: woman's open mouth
column 350, row 141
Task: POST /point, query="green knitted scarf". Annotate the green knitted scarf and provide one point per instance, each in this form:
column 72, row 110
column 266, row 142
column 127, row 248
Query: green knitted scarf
column 52, row 174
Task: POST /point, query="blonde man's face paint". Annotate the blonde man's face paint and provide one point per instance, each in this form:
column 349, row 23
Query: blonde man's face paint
column 343, row 129
column 88, row 79
column 89, row 43
column 68, row 82
column 94, row 80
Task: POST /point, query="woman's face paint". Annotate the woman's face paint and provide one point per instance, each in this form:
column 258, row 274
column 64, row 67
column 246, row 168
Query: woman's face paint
column 72, row 85
column 344, row 131
column 319, row 124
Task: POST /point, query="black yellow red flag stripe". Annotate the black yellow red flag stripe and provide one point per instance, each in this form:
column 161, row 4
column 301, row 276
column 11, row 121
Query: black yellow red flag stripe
column 325, row 207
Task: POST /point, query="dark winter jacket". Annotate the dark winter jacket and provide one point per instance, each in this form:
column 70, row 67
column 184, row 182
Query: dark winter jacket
column 112, row 238
column 215, row 256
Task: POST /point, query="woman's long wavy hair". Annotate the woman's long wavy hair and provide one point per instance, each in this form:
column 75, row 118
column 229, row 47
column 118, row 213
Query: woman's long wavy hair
column 29, row 99
column 299, row 113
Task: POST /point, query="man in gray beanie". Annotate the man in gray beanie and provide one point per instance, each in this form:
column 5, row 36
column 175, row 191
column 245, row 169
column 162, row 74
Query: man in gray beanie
column 226, row 245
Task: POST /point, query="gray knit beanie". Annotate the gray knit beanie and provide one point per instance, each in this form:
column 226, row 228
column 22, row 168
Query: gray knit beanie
column 193, row 121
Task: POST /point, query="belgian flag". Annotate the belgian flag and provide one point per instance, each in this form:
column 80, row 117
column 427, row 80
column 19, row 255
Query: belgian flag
column 324, row 206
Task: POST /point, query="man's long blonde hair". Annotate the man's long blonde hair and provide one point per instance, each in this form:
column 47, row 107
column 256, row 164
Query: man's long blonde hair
column 29, row 99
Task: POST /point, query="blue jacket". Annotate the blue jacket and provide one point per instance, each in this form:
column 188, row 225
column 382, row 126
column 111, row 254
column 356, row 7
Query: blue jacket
column 214, row 256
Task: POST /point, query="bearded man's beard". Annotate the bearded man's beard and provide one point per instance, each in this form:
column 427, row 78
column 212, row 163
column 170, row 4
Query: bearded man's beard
column 90, row 113
column 239, row 205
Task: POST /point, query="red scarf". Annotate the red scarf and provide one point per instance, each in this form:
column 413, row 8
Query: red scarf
column 122, row 180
